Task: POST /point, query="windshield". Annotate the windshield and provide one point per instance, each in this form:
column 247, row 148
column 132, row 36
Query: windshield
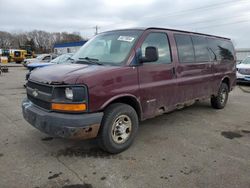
column 246, row 61
column 108, row 48
column 62, row 59
column 40, row 57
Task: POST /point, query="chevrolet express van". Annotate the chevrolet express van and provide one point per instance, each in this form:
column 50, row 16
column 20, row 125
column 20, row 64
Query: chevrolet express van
column 122, row 77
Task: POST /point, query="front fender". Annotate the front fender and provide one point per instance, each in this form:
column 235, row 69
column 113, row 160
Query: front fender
column 114, row 98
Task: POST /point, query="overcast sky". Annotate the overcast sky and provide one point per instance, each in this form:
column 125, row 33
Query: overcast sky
column 229, row 18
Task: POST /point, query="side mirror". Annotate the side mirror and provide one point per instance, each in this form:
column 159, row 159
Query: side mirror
column 151, row 54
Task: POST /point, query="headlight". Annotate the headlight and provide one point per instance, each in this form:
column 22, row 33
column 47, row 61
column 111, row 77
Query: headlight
column 69, row 93
column 75, row 93
column 70, row 99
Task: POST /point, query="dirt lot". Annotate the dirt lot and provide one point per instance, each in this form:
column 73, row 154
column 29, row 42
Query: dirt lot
column 194, row 147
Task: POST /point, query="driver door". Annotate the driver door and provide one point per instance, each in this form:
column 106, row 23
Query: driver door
column 157, row 79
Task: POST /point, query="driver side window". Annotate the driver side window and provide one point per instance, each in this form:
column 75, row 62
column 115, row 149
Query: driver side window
column 160, row 41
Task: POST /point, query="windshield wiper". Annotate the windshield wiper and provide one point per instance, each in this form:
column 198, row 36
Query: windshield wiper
column 71, row 59
column 90, row 60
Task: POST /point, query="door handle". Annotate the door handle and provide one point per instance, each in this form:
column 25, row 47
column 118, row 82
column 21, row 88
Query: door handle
column 173, row 70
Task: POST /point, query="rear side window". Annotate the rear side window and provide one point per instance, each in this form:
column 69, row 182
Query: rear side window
column 222, row 49
column 200, row 49
column 160, row 41
column 185, row 48
column 226, row 50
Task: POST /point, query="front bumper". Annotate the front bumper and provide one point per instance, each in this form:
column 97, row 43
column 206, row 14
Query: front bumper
column 73, row 126
column 27, row 75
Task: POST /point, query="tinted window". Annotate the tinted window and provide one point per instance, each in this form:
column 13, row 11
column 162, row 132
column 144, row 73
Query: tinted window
column 17, row 54
column 213, row 49
column 185, row 48
column 200, row 49
column 226, row 50
column 222, row 49
column 160, row 41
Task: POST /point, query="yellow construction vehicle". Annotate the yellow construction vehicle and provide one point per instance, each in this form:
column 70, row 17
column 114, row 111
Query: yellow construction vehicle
column 18, row 55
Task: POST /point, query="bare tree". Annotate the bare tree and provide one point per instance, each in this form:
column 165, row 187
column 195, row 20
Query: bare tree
column 41, row 41
column 6, row 40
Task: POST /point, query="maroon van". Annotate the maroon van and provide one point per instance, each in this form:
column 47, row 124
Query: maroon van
column 121, row 77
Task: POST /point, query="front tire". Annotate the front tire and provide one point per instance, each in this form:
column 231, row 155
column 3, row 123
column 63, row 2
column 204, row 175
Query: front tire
column 219, row 101
column 118, row 128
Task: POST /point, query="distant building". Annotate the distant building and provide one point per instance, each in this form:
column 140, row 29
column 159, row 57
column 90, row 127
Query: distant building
column 242, row 53
column 68, row 47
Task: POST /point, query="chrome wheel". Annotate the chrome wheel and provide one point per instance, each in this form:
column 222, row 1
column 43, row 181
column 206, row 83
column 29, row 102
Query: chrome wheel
column 121, row 129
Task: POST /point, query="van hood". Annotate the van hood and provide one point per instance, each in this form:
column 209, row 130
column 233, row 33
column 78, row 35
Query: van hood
column 243, row 66
column 66, row 73
column 35, row 65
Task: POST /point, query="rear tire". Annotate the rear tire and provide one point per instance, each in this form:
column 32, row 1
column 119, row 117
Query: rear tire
column 219, row 101
column 118, row 128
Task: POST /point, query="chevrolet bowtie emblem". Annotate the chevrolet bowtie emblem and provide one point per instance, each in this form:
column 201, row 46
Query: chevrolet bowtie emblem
column 35, row 93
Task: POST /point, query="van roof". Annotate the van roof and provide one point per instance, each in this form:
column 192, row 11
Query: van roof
column 191, row 32
column 168, row 29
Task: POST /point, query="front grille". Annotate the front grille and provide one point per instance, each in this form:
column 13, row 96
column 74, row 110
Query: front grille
column 244, row 71
column 40, row 103
column 40, row 87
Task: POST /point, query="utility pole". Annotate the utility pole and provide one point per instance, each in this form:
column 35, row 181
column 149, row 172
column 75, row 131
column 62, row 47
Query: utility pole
column 96, row 29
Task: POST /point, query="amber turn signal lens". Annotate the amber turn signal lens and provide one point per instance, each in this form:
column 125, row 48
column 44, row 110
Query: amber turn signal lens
column 69, row 107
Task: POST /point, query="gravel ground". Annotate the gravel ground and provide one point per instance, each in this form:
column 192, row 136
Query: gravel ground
column 194, row 147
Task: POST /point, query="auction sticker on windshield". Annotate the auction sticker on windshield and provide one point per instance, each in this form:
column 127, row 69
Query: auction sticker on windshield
column 126, row 38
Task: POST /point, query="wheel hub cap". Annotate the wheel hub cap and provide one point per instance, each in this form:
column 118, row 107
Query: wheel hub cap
column 223, row 96
column 121, row 129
